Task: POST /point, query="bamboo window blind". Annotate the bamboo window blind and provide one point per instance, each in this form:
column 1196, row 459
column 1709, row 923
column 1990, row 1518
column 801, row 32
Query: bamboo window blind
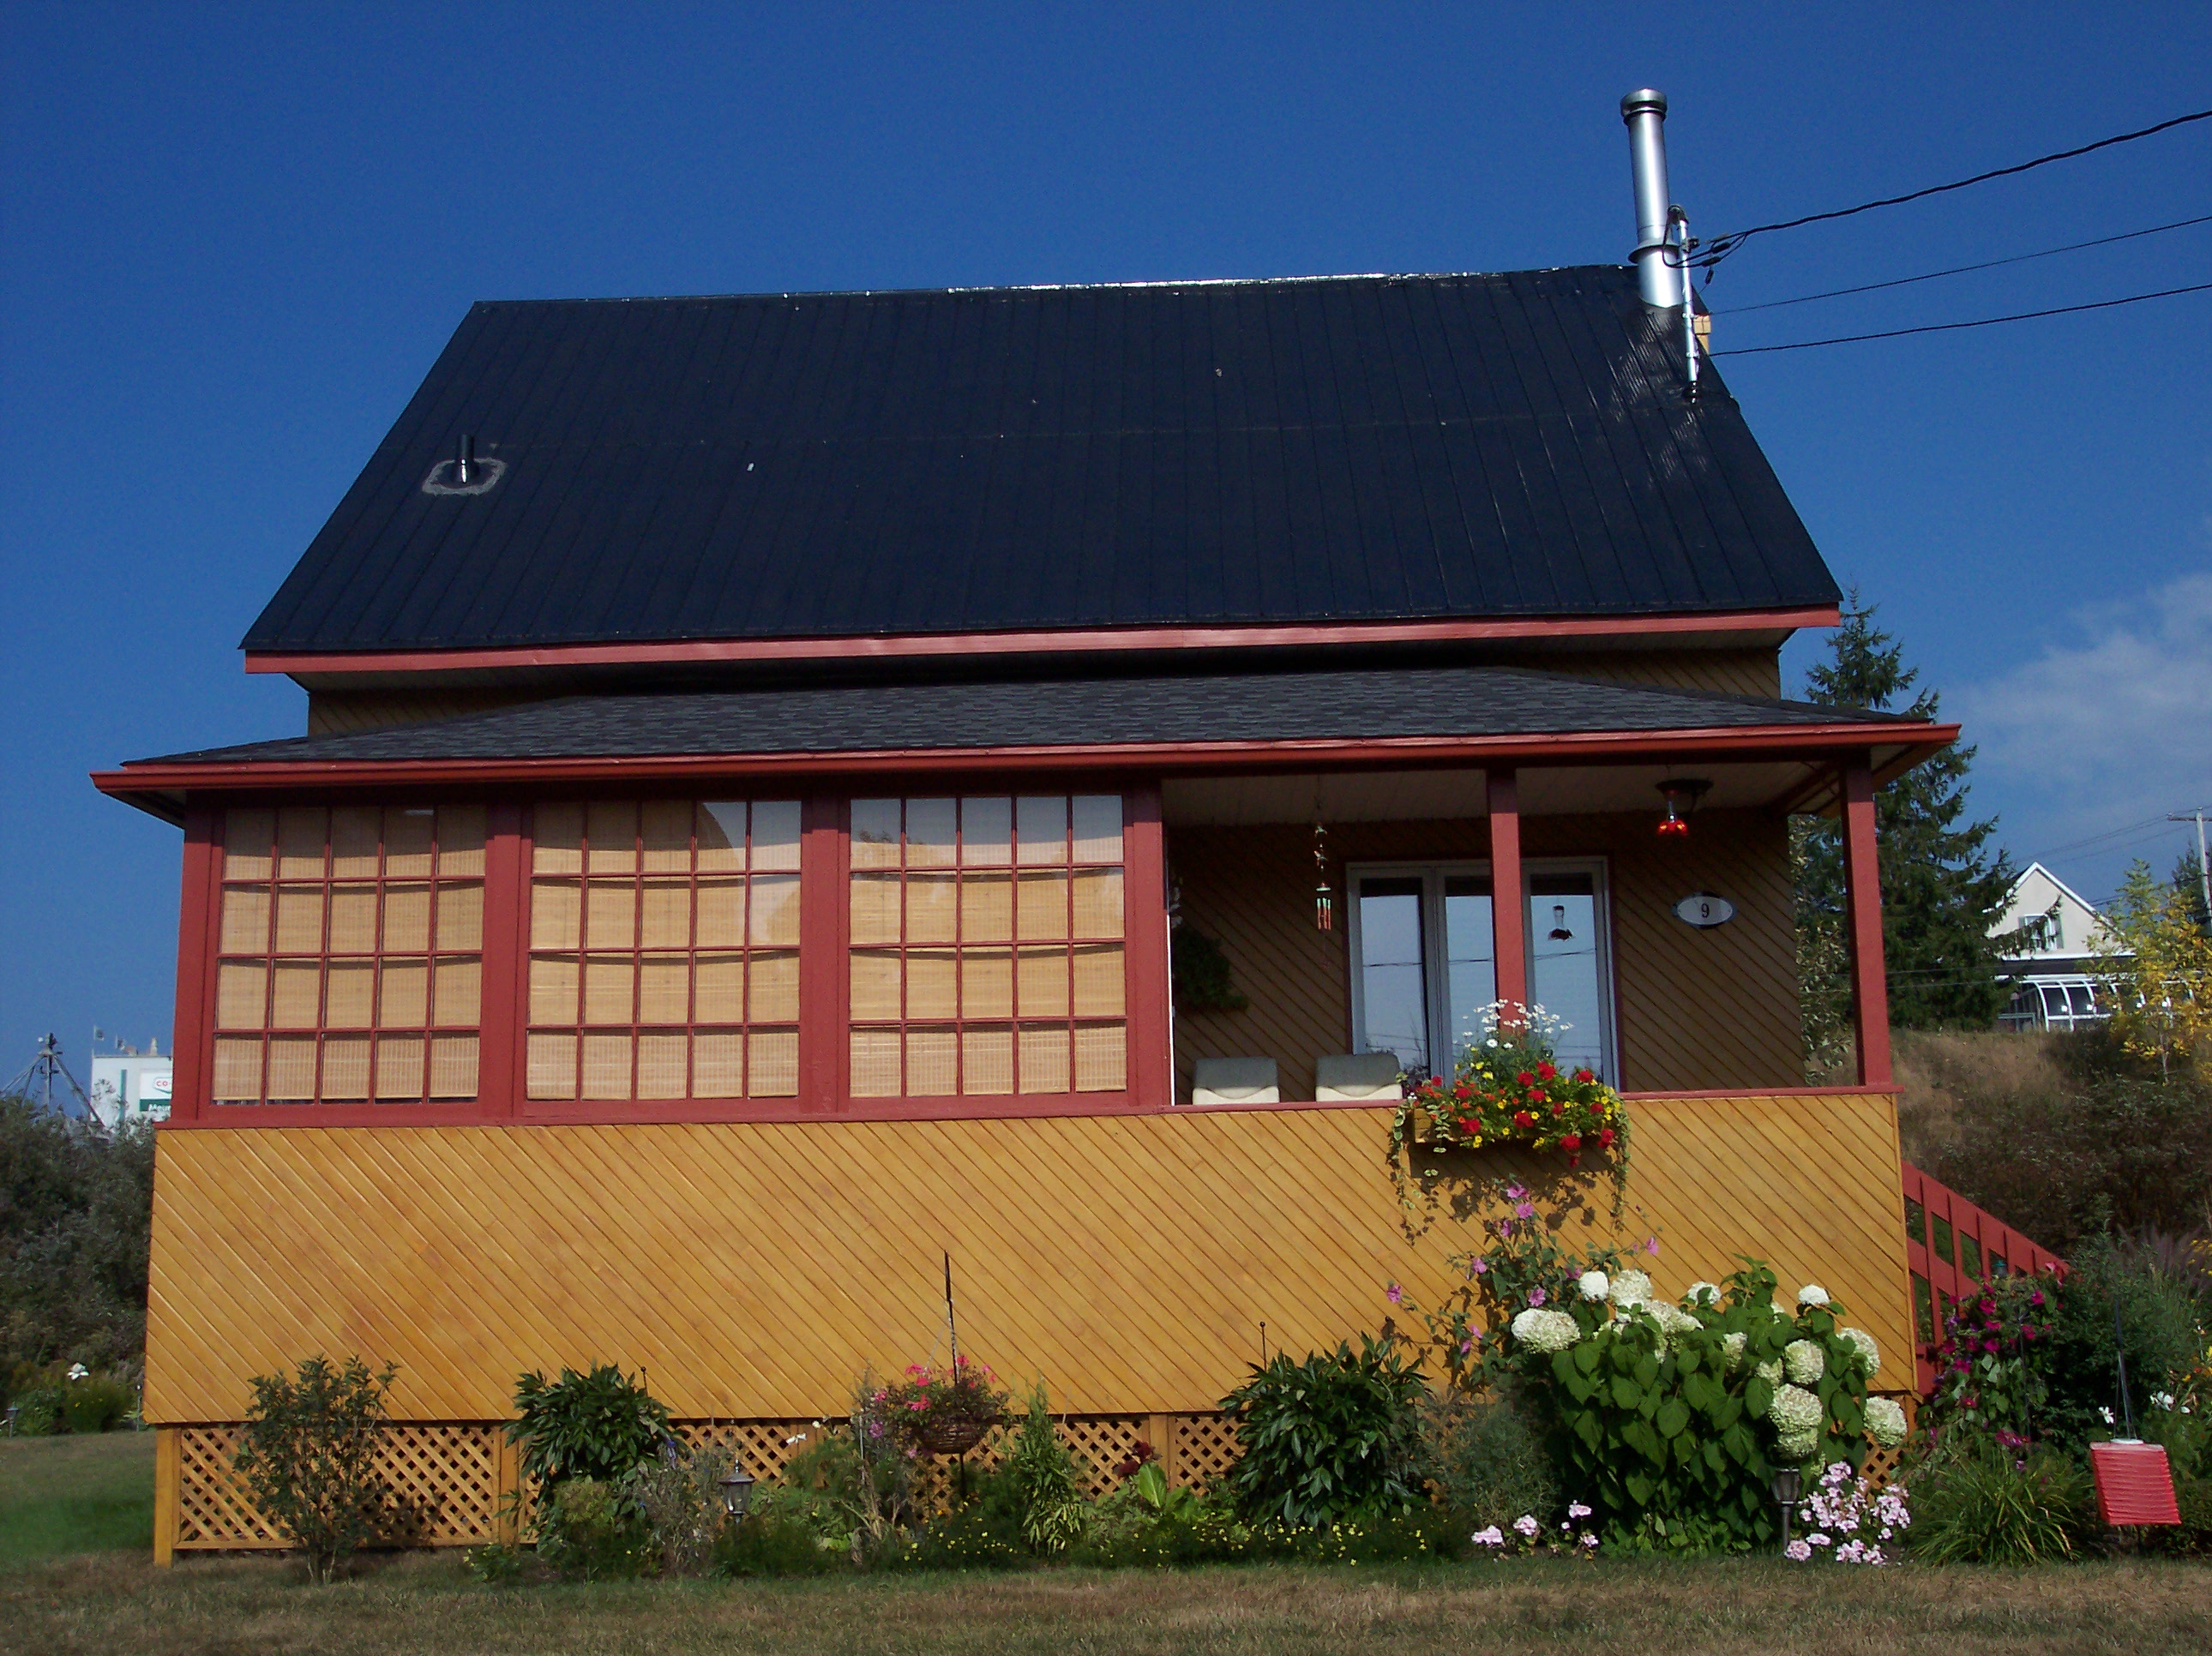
column 664, row 950
column 350, row 954
column 986, row 946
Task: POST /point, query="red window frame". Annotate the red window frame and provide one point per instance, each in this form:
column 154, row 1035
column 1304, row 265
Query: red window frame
column 825, row 871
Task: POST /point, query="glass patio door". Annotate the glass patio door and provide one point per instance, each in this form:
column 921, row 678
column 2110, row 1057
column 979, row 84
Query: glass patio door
column 1424, row 962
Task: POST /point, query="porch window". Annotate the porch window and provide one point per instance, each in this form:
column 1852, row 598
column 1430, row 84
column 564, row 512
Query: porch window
column 986, row 946
column 1424, row 964
column 350, row 954
column 664, row 950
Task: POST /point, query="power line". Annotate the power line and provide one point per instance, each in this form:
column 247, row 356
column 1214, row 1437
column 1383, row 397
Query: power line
column 2158, row 822
column 1952, row 327
column 1962, row 269
column 1721, row 246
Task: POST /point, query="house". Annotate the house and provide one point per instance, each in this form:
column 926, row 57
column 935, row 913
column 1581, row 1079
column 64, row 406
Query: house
column 758, row 749
column 2055, row 943
column 129, row 1085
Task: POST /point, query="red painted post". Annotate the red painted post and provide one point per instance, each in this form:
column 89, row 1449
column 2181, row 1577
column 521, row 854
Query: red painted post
column 1152, row 1078
column 824, row 871
column 1509, row 907
column 502, row 1019
column 1862, row 879
column 191, row 1042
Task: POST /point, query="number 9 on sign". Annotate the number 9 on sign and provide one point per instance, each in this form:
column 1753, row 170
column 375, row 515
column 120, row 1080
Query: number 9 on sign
column 1702, row 908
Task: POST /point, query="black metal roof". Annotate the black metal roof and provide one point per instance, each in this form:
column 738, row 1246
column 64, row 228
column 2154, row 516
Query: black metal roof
column 1204, row 453
column 1342, row 704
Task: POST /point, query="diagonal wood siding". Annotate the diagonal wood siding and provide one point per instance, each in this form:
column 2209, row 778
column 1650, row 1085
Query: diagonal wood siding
column 1712, row 1009
column 752, row 1269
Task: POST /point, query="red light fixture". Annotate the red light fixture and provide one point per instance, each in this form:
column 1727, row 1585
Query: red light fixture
column 1682, row 794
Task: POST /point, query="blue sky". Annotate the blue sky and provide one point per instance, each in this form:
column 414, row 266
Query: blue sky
column 233, row 238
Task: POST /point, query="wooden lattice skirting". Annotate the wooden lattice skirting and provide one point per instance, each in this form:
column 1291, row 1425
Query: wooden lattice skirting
column 453, row 1480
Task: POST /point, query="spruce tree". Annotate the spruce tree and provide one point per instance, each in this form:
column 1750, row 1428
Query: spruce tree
column 1943, row 885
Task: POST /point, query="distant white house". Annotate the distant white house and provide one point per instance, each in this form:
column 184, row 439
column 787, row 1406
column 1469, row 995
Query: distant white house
column 2053, row 962
column 129, row 1086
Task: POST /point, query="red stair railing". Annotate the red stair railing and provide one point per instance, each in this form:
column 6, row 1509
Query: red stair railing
column 1953, row 1248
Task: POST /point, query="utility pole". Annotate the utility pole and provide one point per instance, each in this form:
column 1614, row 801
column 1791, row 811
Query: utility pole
column 2203, row 874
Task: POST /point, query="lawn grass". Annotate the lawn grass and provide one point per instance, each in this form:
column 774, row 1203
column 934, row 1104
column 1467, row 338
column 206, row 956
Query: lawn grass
column 71, row 1494
column 239, row 1606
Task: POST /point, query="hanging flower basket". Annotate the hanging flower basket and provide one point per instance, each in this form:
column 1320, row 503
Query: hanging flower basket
column 945, row 1411
column 1508, row 1091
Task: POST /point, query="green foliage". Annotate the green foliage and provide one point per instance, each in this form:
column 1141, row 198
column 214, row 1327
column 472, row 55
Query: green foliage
column 2160, row 1321
column 1668, row 1423
column 96, row 1403
column 596, row 1425
column 307, row 1456
column 1983, row 1505
column 985, row 1533
column 2160, row 961
column 1941, row 888
column 589, row 1530
column 495, row 1564
column 774, row 1543
column 76, row 1213
column 679, row 1496
column 1993, row 1363
column 1486, row 1459
column 1047, row 1484
column 1202, row 978
column 1336, row 1437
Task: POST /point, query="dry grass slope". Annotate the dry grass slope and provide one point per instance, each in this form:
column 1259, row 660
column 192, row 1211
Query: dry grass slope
column 239, row 1607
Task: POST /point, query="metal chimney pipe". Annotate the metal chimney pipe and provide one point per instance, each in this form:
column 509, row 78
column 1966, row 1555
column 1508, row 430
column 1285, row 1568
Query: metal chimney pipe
column 1644, row 110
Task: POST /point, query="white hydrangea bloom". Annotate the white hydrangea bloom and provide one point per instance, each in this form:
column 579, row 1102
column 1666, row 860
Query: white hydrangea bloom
column 1595, row 1284
column 1733, row 1345
column 1769, row 1371
column 1673, row 1323
column 1794, row 1410
column 1630, row 1288
column 1702, row 1293
column 1867, row 1349
column 1546, row 1331
column 1804, row 1362
column 1812, row 1294
column 1793, row 1448
column 1885, row 1421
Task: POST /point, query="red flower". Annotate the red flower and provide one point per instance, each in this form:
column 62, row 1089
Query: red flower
column 1524, row 1077
column 1605, row 1138
column 1558, row 1109
column 1522, row 1119
column 1467, row 1124
column 1573, row 1141
column 1547, row 1072
column 1585, row 1075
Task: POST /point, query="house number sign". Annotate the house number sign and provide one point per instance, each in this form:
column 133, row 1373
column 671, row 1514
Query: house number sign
column 1702, row 908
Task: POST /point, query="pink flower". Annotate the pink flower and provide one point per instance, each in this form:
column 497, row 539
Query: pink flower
column 1514, row 1192
column 1394, row 1294
column 1651, row 1245
column 1535, row 1296
column 1526, row 1525
column 1480, row 1266
column 1526, row 1210
column 1797, row 1552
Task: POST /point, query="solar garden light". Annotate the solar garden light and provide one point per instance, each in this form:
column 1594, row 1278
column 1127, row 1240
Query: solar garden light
column 1787, row 1483
column 737, row 1490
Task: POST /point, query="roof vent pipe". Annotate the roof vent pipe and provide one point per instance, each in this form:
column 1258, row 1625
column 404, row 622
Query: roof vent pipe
column 1662, row 282
column 465, row 460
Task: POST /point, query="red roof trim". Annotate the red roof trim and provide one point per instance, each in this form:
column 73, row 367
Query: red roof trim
column 1743, row 743
column 1053, row 641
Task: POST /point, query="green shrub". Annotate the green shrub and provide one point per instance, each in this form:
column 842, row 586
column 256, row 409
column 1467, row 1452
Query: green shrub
column 308, row 1455
column 39, row 1412
column 75, row 1210
column 95, row 1403
column 679, row 1496
column 596, row 1425
column 1486, row 1459
column 1048, row 1485
column 586, row 1528
column 1981, row 1506
column 2160, row 1322
column 498, row 1565
column 984, row 1534
column 1329, row 1437
column 770, row 1542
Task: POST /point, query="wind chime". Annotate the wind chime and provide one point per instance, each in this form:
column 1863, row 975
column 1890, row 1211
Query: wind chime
column 1324, row 898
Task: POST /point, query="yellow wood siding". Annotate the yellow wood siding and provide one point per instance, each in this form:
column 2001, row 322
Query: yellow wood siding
column 1711, row 1008
column 752, row 1269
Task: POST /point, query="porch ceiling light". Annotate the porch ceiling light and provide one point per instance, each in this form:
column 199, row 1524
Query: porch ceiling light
column 1682, row 793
